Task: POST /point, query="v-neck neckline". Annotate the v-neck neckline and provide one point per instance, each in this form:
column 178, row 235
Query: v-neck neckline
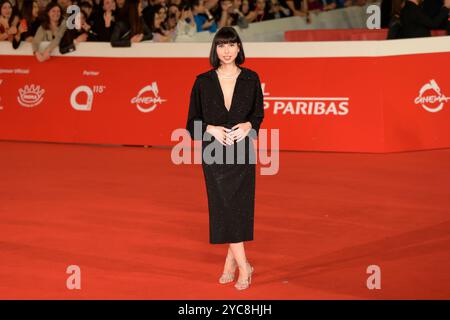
column 216, row 76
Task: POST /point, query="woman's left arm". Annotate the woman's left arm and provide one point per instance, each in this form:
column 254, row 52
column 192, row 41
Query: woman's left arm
column 257, row 113
column 241, row 130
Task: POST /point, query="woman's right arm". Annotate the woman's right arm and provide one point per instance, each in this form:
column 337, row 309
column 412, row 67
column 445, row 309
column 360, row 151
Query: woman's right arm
column 38, row 38
column 195, row 116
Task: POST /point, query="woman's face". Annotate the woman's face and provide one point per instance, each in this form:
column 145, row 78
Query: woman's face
column 227, row 52
column 245, row 6
column 35, row 11
column 87, row 10
column 54, row 14
column 161, row 14
column 120, row 3
column 109, row 5
column 6, row 10
column 260, row 4
column 201, row 6
column 139, row 7
column 174, row 10
column 172, row 21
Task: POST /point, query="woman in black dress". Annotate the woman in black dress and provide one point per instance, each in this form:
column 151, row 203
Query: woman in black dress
column 225, row 111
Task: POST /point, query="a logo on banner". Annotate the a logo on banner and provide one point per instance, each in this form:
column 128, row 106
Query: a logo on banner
column 87, row 93
column 148, row 98
column 87, row 104
column 30, row 95
column 306, row 105
column 431, row 98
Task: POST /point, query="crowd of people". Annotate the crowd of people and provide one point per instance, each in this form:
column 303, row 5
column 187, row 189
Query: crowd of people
column 122, row 22
column 414, row 18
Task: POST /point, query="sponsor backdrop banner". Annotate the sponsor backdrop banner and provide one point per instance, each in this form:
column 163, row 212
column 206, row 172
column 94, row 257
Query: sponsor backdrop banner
column 363, row 104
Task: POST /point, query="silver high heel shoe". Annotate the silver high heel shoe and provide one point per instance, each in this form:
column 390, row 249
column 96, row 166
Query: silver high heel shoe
column 227, row 277
column 244, row 284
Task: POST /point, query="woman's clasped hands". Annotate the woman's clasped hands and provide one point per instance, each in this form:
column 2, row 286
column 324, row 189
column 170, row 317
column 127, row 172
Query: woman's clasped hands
column 229, row 136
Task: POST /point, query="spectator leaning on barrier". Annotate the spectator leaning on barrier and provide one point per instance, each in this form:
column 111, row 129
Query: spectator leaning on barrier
column 259, row 12
column 104, row 20
column 29, row 22
column 9, row 21
column 132, row 28
column 415, row 23
column 156, row 19
column 227, row 15
column 51, row 29
column 88, row 9
column 226, row 9
column 74, row 36
column 236, row 16
column 186, row 24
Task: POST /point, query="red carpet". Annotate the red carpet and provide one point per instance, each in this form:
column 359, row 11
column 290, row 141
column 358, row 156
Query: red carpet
column 137, row 225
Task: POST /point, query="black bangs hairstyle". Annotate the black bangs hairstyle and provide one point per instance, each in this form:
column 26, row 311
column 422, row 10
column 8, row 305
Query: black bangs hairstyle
column 226, row 35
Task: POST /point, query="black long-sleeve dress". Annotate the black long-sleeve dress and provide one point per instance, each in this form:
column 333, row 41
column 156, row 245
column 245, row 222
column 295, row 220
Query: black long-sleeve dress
column 230, row 186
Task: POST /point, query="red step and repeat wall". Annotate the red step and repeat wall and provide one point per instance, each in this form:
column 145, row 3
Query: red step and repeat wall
column 377, row 101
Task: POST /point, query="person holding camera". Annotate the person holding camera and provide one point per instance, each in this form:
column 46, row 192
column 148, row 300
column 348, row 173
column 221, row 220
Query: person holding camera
column 186, row 25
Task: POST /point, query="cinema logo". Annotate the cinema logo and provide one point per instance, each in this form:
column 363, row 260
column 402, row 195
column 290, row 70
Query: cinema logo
column 306, row 105
column 148, row 98
column 430, row 97
column 30, row 96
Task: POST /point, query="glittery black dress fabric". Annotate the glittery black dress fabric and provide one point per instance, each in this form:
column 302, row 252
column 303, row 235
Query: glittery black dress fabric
column 230, row 185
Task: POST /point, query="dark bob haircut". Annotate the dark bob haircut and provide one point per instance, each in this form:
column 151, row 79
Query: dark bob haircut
column 226, row 35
